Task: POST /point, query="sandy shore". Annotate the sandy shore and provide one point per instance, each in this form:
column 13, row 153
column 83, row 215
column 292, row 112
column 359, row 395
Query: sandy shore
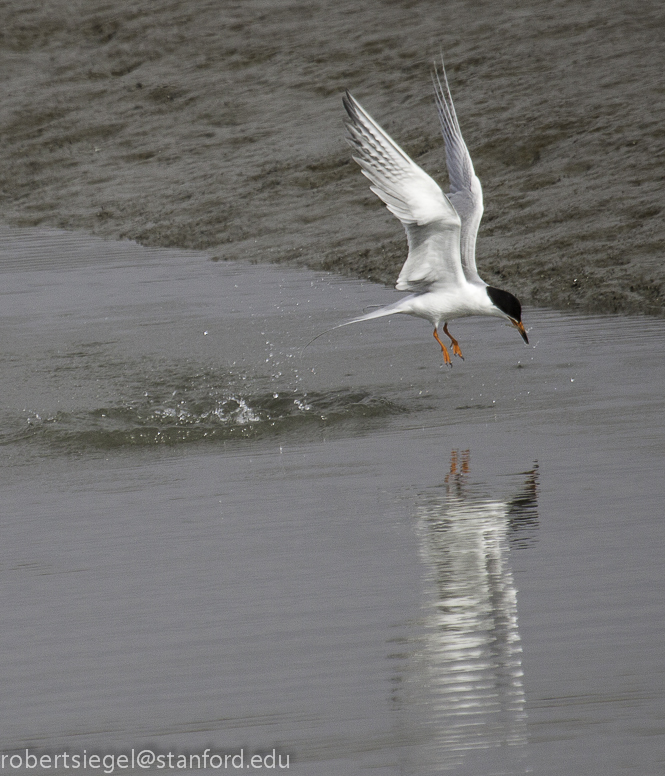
column 218, row 125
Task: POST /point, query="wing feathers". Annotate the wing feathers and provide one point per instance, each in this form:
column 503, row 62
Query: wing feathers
column 431, row 222
column 460, row 169
column 466, row 191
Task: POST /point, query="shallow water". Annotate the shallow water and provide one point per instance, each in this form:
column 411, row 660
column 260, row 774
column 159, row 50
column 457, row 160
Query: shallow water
column 357, row 556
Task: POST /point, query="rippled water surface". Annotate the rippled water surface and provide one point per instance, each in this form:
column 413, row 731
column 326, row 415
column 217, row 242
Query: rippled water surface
column 371, row 562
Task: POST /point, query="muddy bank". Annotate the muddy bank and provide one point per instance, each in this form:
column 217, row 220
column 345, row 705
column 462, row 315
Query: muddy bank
column 219, row 126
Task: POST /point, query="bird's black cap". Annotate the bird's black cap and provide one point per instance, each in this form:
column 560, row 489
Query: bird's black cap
column 509, row 305
column 506, row 302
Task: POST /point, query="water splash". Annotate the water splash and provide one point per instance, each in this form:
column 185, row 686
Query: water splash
column 177, row 416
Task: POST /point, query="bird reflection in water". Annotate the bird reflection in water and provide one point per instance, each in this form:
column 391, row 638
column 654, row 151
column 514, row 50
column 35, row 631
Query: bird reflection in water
column 466, row 674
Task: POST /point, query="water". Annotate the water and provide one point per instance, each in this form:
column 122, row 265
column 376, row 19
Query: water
column 358, row 557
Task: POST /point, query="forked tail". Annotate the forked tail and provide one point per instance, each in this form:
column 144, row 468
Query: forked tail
column 391, row 309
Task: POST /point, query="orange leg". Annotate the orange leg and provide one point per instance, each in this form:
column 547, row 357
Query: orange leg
column 446, row 356
column 459, row 467
column 456, row 348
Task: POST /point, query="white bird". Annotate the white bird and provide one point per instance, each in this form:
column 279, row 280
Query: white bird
column 441, row 229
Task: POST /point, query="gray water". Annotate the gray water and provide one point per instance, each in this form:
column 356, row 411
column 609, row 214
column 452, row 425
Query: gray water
column 357, row 556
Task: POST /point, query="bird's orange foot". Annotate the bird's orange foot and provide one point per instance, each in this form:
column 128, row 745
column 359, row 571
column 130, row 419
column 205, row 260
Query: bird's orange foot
column 457, row 351
column 447, row 360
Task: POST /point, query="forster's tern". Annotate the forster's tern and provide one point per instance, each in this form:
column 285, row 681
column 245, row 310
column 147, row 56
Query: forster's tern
column 441, row 229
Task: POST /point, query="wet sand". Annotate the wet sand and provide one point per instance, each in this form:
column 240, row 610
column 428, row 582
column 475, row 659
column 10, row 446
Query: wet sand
column 218, row 126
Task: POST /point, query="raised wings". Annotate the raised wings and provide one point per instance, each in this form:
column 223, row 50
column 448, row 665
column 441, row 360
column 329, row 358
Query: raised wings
column 466, row 193
column 440, row 230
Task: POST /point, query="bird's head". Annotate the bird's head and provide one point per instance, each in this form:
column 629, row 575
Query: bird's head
column 508, row 306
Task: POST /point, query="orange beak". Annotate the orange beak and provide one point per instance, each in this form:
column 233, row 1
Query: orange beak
column 520, row 327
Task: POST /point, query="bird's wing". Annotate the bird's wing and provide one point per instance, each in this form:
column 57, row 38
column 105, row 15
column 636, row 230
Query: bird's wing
column 466, row 193
column 432, row 224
